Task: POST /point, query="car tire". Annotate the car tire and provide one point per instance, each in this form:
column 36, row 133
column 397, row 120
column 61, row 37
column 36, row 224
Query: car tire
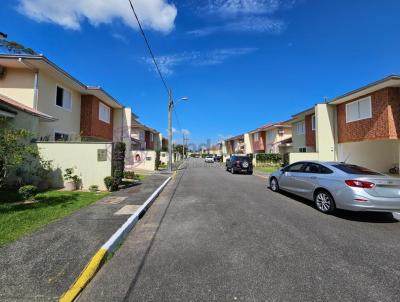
column 324, row 202
column 250, row 172
column 232, row 171
column 274, row 185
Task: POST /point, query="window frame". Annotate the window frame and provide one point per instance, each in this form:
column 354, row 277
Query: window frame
column 297, row 128
column 63, row 133
column 271, row 135
column 55, row 99
column 313, row 123
column 369, row 99
column 300, row 149
column 294, row 164
column 320, row 167
column 256, row 136
column 109, row 113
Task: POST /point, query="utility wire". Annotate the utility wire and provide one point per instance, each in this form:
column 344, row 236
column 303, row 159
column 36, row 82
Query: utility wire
column 150, row 50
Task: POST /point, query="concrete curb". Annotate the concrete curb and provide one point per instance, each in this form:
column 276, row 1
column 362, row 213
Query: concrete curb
column 98, row 259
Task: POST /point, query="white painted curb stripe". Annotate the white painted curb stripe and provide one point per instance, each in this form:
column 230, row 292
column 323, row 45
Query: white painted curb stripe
column 116, row 238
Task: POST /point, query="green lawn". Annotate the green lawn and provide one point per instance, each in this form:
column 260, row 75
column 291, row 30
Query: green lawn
column 268, row 169
column 17, row 220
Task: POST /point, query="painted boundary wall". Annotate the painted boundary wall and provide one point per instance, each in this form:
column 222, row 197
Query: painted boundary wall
column 91, row 160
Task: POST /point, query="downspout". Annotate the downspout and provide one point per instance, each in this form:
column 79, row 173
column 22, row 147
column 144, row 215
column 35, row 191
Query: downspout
column 35, row 82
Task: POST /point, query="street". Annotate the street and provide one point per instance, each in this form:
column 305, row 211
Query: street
column 214, row 236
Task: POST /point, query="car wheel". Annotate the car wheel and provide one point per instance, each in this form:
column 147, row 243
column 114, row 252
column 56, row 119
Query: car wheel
column 324, row 202
column 274, row 185
column 250, row 172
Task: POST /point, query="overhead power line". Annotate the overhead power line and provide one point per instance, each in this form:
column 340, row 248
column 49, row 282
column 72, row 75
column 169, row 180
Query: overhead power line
column 149, row 48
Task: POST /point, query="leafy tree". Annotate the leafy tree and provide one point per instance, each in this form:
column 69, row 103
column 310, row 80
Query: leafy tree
column 15, row 150
column 179, row 149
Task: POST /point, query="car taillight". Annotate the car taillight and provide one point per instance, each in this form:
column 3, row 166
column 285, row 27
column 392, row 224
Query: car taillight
column 360, row 184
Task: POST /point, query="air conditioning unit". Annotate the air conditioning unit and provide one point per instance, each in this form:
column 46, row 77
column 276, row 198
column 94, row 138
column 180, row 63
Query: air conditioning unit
column 3, row 72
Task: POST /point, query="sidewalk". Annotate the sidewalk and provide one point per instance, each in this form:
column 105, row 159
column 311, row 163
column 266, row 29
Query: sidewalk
column 42, row 265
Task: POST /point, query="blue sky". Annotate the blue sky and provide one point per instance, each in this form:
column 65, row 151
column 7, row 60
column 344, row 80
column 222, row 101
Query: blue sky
column 243, row 63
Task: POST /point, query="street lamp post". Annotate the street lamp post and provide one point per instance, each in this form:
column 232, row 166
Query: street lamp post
column 170, row 108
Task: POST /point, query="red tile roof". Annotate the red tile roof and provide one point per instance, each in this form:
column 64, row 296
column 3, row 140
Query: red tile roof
column 17, row 105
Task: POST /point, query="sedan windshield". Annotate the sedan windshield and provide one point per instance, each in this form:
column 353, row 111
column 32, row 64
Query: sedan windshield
column 354, row 169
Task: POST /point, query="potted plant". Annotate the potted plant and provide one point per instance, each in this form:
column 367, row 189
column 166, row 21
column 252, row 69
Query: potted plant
column 73, row 182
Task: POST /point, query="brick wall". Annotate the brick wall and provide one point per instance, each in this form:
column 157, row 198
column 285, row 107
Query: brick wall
column 149, row 142
column 259, row 145
column 385, row 121
column 91, row 126
column 310, row 134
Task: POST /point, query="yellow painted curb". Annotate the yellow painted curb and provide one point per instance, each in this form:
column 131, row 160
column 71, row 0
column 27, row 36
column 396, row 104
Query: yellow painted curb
column 86, row 275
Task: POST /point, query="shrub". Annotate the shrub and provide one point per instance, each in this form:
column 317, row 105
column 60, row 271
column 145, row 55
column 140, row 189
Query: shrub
column 68, row 176
column 129, row 174
column 93, row 188
column 272, row 158
column 158, row 161
column 28, row 192
column 118, row 162
column 111, row 183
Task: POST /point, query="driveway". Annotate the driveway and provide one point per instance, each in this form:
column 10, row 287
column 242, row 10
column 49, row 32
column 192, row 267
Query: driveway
column 214, row 236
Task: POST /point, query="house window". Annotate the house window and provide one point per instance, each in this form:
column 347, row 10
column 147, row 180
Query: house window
column 313, row 122
column 104, row 113
column 271, row 135
column 58, row 136
column 63, row 98
column 303, row 150
column 256, row 136
column 359, row 110
column 151, row 137
column 300, row 128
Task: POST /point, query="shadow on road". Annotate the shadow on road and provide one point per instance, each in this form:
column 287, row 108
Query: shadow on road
column 370, row 217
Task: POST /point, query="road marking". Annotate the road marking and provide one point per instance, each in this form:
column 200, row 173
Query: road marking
column 127, row 210
column 114, row 200
column 98, row 259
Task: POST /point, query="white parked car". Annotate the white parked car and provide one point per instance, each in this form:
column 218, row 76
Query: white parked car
column 209, row 159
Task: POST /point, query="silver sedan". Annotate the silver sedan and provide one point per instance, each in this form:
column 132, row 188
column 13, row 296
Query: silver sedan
column 333, row 185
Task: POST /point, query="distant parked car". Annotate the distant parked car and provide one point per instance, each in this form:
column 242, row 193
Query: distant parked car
column 335, row 185
column 239, row 163
column 217, row 158
column 209, row 159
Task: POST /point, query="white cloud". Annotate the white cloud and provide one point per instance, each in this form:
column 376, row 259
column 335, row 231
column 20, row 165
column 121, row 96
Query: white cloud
column 120, row 37
column 234, row 7
column 253, row 24
column 168, row 63
column 158, row 15
column 185, row 132
column 242, row 16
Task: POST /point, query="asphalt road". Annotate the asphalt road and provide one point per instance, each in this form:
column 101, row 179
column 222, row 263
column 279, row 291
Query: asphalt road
column 214, row 236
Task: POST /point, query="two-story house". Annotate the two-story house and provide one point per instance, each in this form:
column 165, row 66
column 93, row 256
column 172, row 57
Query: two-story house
column 78, row 112
column 144, row 137
column 360, row 127
column 235, row 145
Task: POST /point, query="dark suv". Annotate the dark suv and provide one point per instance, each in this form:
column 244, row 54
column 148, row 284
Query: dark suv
column 239, row 163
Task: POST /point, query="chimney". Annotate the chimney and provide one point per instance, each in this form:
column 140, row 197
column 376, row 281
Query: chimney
column 3, row 36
